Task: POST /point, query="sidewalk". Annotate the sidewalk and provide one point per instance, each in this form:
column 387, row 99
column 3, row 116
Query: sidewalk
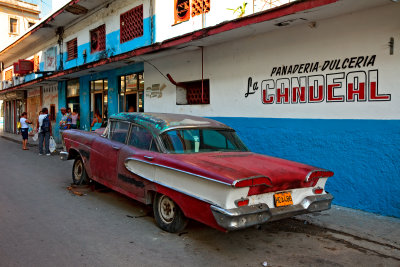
column 359, row 224
column 18, row 138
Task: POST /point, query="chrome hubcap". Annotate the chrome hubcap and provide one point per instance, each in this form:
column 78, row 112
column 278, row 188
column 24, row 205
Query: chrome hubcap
column 166, row 209
column 78, row 170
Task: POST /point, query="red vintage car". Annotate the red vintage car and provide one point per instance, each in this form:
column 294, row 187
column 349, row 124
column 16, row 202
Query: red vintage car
column 193, row 167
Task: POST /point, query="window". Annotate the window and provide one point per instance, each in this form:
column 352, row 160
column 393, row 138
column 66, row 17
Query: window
column 202, row 140
column 119, row 131
column 98, row 39
column 30, row 24
column 52, row 112
column 13, row 25
column 73, row 95
column 131, row 24
column 131, row 98
column 142, row 139
column 182, row 10
column 8, row 75
column 72, row 49
column 193, row 93
column 200, row 7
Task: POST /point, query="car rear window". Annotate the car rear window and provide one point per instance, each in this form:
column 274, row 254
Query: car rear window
column 202, row 140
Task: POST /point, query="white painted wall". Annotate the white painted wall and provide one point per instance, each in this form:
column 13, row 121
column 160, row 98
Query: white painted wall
column 165, row 28
column 229, row 65
column 220, row 11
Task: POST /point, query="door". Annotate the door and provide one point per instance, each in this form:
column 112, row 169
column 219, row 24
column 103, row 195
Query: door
column 136, row 170
column 105, row 151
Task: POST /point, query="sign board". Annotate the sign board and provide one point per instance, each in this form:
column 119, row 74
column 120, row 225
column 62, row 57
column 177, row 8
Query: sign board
column 50, row 58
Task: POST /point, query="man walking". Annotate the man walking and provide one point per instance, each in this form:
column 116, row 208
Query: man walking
column 44, row 131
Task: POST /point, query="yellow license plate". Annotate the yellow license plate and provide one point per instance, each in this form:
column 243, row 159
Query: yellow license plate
column 283, row 199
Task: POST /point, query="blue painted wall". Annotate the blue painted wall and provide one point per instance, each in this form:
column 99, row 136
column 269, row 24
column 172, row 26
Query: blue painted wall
column 113, row 47
column 364, row 154
column 62, row 102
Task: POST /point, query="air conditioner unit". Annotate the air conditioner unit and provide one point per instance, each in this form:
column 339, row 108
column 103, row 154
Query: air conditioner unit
column 7, row 84
column 16, row 80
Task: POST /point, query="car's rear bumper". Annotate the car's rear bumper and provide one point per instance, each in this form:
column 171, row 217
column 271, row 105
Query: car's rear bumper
column 242, row 217
column 64, row 155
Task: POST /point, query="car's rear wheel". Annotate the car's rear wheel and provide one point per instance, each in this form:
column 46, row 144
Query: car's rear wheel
column 168, row 215
column 79, row 175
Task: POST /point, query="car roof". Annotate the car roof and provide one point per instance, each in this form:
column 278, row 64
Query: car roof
column 161, row 122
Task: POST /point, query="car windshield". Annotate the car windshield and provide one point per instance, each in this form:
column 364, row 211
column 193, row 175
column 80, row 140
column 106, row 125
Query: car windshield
column 202, row 140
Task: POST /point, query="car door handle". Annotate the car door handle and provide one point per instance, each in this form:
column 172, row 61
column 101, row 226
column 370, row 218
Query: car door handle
column 116, row 147
column 148, row 157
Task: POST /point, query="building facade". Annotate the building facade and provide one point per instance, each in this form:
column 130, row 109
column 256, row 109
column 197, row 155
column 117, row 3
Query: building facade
column 17, row 17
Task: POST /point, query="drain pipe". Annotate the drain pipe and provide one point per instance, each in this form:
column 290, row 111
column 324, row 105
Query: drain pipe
column 202, row 75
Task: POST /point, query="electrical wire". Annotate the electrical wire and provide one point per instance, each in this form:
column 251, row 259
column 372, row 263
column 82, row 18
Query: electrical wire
column 154, row 67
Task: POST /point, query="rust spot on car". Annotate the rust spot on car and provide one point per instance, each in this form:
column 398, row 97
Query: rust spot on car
column 130, row 180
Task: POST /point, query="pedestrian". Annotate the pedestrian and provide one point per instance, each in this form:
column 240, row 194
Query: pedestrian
column 97, row 121
column 37, row 122
column 69, row 119
column 24, row 129
column 74, row 120
column 44, row 132
column 63, row 122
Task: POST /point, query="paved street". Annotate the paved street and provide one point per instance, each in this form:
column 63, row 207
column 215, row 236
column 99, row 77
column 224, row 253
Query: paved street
column 44, row 224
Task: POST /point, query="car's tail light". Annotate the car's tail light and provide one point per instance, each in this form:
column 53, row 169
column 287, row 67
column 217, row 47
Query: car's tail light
column 262, row 180
column 242, row 202
column 318, row 190
column 318, row 174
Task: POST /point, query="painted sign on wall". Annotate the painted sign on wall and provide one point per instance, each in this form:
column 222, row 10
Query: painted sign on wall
column 350, row 79
column 50, row 59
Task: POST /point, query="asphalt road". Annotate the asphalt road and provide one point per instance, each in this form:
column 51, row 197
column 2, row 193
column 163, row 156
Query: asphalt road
column 44, row 224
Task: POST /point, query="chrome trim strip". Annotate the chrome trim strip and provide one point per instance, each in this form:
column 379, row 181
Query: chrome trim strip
column 173, row 188
column 311, row 172
column 64, row 155
column 252, row 177
column 163, row 166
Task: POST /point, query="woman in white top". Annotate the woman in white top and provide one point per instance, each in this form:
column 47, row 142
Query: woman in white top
column 24, row 129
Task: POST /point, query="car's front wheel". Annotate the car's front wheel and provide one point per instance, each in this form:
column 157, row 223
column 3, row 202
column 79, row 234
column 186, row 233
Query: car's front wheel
column 168, row 215
column 79, row 175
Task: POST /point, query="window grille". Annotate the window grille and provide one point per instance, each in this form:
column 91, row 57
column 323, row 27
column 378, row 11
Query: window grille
column 36, row 63
column 192, row 93
column 98, row 39
column 131, row 24
column 8, row 75
column 200, row 7
column 72, row 49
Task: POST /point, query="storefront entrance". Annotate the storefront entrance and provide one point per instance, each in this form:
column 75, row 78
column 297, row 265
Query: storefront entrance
column 99, row 99
column 131, row 97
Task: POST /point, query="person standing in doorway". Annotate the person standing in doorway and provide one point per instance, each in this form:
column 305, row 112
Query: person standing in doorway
column 44, row 131
column 69, row 119
column 63, row 122
column 74, row 120
column 24, row 129
column 97, row 121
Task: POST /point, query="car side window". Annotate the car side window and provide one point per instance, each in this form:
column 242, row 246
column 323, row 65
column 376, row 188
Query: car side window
column 142, row 139
column 119, row 131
